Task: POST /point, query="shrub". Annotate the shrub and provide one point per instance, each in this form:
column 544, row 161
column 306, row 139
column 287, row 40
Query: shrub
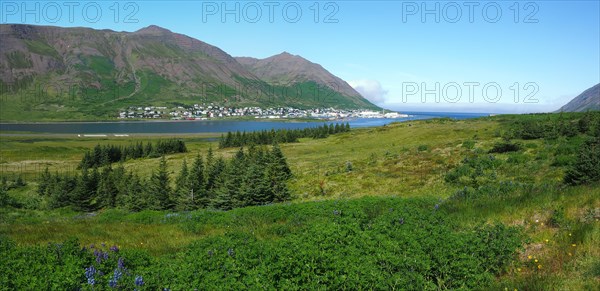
column 320, row 245
column 587, row 166
column 504, row 147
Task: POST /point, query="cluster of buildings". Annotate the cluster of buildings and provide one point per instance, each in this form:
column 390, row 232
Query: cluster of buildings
column 204, row 112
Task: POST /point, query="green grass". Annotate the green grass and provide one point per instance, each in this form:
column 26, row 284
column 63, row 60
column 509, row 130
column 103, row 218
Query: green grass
column 403, row 160
column 41, row 48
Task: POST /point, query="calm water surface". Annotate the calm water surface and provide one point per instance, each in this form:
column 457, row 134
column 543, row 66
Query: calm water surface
column 205, row 126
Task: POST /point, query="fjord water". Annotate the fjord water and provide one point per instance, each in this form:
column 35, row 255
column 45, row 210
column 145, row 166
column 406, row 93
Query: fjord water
column 206, row 126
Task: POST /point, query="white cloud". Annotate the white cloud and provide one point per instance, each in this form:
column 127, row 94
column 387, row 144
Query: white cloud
column 370, row 89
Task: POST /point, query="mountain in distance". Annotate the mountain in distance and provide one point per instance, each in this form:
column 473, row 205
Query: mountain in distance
column 286, row 68
column 586, row 101
column 49, row 72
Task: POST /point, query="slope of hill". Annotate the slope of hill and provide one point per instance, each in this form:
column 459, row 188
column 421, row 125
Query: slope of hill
column 81, row 73
column 289, row 69
column 588, row 100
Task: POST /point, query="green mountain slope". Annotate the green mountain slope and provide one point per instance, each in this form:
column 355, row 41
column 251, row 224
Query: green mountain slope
column 80, row 73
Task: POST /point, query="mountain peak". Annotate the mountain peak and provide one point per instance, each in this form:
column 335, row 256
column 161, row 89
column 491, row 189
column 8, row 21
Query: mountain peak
column 153, row 29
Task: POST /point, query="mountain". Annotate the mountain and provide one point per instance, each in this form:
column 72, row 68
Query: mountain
column 286, row 68
column 588, row 100
column 51, row 72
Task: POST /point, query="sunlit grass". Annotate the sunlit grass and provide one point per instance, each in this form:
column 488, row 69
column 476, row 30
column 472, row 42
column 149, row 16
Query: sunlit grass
column 404, row 160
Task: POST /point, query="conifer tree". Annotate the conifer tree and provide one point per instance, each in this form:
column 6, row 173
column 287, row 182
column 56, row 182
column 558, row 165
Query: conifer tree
column 83, row 197
column 160, row 188
column 45, row 180
column 107, row 190
column 184, row 194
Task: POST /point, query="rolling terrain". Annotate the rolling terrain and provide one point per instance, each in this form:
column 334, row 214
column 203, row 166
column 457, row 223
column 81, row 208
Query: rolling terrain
column 497, row 191
column 54, row 73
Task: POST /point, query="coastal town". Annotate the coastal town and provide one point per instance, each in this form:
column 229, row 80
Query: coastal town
column 211, row 111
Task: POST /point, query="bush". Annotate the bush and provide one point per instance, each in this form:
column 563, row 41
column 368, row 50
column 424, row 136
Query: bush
column 587, row 166
column 474, row 171
column 505, row 147
column 563, row 160
column 326, row 245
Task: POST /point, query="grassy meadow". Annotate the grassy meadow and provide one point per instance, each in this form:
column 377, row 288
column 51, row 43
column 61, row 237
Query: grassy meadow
column 346, row 189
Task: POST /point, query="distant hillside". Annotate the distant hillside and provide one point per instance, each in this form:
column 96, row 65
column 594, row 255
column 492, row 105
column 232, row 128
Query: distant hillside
column 80, row 73
column 286, row 68
column 586, row 101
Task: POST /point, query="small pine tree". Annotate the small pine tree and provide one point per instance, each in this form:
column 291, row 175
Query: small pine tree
column 160, row 188
column 107, row 190
column 83, row 197
column 44, row 183
column 587, row 167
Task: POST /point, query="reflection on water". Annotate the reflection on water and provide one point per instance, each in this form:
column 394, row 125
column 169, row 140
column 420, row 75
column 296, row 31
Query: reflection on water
column 203, row 126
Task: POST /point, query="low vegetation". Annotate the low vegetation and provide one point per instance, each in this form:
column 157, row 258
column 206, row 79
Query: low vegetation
column 266, row 137
column 504, row 202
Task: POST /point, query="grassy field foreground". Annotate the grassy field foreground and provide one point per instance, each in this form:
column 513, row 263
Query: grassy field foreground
column 417, row 205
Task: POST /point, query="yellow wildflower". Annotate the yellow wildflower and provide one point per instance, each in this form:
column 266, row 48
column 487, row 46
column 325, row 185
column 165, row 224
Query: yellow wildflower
column 539, row 267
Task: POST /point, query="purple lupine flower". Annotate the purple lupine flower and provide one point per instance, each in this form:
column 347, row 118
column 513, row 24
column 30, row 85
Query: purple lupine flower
column 337, row 212
column 139, row 281
column 103, row 244
column 401, row 221
column 117, row 274
column 92, row 246
column 114, row 248
column 437, row 206
column 105, row 255
column 210, row 253
column 89, row 275
column 112, row 283
column 230, row 252
column 121, row 264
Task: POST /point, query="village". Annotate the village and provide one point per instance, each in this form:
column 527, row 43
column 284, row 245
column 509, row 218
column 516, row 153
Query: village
column 211, row 111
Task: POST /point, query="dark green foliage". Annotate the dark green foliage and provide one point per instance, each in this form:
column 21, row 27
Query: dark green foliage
column 587, row 166
column 103, row 155
column 196, row 184
column 83, row 197
column 159, row 188
column 474, row 171
column 505, row 147
column 4, row 198
column 546, row 126
column 256, row 177
column 267, row 137
column 368, row 243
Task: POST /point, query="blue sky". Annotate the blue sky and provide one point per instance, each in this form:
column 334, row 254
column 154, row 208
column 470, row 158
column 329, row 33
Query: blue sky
column 391, row 51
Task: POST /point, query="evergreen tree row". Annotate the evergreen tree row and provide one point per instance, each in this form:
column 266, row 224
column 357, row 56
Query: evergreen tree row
column 257, row 176
column 103, row 155
column 267, row 137
column 561, row 126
